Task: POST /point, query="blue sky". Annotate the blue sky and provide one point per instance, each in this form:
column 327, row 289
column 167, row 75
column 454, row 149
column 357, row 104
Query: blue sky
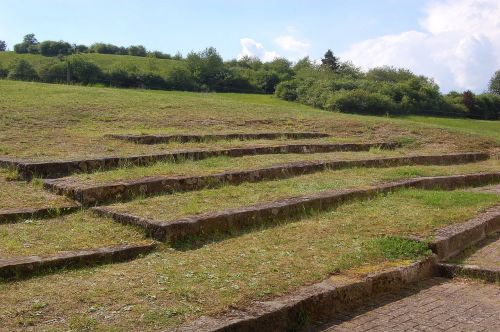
column 369, row 32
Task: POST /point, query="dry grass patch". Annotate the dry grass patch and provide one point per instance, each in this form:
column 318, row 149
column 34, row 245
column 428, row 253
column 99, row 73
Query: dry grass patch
column 168, row 287
column 77, row 231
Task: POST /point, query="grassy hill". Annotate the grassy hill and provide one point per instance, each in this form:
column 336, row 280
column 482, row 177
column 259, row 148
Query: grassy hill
column 104, row 61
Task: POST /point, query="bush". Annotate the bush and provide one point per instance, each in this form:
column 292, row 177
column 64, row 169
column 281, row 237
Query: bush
column 84, row 71
column 80, row 49
column 360, row 101
column 22, row 70
column 54, row 72
column 179, row 78
column 53, row 48
column 102, row 48
column 287, row 90
column 3, row 71
column 150, row 81
column 487, row 107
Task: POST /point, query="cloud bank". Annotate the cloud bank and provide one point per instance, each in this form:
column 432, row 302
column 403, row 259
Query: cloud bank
column 254, row 49
column 459, row 45
column 291, row 46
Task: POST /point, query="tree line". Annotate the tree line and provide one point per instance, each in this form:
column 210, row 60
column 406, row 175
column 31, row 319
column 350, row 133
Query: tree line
column 331, row 85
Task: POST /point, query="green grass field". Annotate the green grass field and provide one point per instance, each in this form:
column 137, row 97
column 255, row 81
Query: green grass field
column 175, row 284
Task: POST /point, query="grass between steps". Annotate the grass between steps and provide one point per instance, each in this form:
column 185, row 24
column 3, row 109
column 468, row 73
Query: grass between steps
column 77, row 231
column 169, row 207
column 19, row 194
column 169, row 286
column 221, row 164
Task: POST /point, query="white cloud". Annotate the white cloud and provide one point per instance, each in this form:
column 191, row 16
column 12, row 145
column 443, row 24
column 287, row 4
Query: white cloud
column 459, row 45
column 250, row 47
column 291, row 44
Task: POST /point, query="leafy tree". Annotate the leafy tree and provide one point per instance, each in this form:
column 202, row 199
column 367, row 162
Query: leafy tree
column 389, row 74
column 29, row 45
column 81, row 48
column 53, row 48
column 303, row 64
column 206, row 67
column 22, row 70
column 138, row 50
column 494, row 86
column 3, row 46
column 30, row 39
column 330, row 61
column 469, row 100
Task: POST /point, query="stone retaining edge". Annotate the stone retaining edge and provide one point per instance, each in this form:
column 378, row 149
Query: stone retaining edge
column 126, row 190
column 320, row 301
column 158, row 139
column 451, row 240
column 15, row 215
column 55, row 169
column 239, row 218
column 23, row 267
column 471, row 271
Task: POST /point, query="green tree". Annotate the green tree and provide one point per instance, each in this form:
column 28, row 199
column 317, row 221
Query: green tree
column 3, row 46
column 138, row 50
column 206, row 67
column 494, row 85
column 330, row 61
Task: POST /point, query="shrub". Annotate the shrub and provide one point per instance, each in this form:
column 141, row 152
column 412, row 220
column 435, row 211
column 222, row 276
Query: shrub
column 22, row 70
column 287, row 90
column 487, row 107
column 179, row 78
column 84, row 71
column 360, row 101
column 266, row 81
column 102, row 48
column 3, row 71
column 150, row 81
column 53, row 48
column 80, row 49
column 54, row 72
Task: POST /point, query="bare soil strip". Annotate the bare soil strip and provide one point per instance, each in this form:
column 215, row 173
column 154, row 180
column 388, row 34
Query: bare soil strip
column 33, row 265
column 90, row 195
column 334, row 295
column 158, row 139
column 240, row 218
column 15, row 215
column 56, row 169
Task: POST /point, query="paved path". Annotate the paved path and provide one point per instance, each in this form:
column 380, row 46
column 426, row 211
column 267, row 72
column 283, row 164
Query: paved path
column 437, row 305
column 487, row 256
